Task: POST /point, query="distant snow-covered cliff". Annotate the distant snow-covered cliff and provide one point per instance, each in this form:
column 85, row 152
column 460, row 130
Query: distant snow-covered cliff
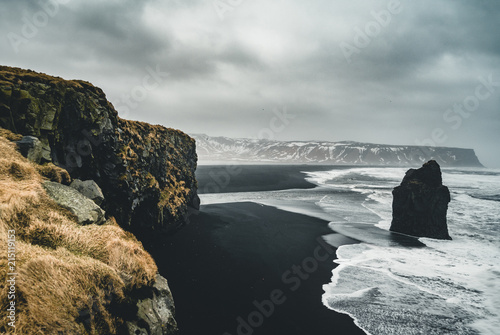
column 222, row 149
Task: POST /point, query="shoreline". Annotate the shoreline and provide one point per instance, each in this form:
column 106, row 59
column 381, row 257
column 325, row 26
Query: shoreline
column 246, row 268
column 254, row 178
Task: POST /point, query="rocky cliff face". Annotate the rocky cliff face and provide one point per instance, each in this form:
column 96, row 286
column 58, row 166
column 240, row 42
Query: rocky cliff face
column 420, row 203
column 146, row 172
column 74, row 272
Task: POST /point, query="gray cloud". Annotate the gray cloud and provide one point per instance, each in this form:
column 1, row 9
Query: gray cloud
column 227, row 76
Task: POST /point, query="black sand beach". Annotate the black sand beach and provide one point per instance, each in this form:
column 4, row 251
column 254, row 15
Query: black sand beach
column 253, row 178
column 244, row 268
column 232, row 258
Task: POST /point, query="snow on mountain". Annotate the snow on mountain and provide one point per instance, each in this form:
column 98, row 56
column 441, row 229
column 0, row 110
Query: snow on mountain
column 224, row 149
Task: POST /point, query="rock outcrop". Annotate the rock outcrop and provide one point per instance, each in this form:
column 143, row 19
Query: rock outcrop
column 85, row 210
column 155, row 312
column 90, row 189
column 420, row 203
column 146, row 172
column 76, row 279
column 31, row 148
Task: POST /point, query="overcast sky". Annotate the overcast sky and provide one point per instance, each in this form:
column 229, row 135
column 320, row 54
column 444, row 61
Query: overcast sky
column 393, row 72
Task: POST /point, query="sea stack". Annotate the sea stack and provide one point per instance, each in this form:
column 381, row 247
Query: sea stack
column 420, row 203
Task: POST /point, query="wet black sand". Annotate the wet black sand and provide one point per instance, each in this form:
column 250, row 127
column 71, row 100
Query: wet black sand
column 232, row 258
column 253, row 178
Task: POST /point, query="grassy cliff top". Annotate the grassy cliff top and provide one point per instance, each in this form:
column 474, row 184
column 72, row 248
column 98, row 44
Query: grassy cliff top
column 14, row 75
column 68, row 276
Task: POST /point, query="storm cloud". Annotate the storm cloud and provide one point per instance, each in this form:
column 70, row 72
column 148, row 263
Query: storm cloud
column 388, row 71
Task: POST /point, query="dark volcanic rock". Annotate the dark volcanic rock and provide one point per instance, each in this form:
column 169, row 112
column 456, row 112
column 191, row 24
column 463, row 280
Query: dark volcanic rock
column 420, row 203
column 155, row 313
column 146, row 172
column 31, row 148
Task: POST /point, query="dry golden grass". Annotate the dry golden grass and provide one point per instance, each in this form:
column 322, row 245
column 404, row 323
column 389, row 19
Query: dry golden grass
column 10, row 135
column 54, row 173
column 67, row 274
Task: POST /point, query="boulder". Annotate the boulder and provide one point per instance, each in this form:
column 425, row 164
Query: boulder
column 46, row 151
column 86, row 211
column 155, row 313
column 31, row 148
column 420, row 203
column 90, row 189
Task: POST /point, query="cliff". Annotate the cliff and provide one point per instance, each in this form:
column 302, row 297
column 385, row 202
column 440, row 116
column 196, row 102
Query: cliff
column 146, row 172
column 223, row 149
column 62, row 275
column 82, row 273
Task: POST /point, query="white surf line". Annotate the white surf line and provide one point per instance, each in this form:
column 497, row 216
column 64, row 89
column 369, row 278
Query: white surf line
column 380, row 224
column 387, row 271
column 334, row 280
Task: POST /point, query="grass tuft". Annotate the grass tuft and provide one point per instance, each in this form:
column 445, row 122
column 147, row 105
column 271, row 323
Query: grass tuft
column 68, row 275
column 54, row 173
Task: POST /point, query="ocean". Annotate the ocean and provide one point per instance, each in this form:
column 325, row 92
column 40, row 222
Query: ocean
column 389, row 287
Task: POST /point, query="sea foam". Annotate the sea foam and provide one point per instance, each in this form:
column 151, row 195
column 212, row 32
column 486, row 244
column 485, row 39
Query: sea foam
column 447, row 287
column 388, row 287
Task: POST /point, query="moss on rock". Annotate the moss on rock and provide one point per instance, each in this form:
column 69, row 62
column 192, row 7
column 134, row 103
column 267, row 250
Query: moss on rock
column 138, row 166
column 72, row 279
